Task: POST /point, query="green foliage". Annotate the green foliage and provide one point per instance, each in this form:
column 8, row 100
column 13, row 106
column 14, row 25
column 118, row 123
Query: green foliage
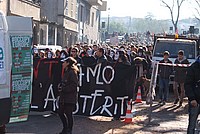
column 117, row 27
column 139, row 25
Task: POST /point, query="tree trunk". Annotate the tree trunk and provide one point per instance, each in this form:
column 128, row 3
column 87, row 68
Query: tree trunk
column 175, row 28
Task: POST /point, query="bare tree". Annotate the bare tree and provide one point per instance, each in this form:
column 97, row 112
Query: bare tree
column 171, row 9
column 197, row 10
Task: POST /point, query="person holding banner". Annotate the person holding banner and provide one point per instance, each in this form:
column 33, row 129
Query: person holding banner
column 179, row 79
column 164, row 72
column 122, row 74
column 192, row 91
column 68, row 94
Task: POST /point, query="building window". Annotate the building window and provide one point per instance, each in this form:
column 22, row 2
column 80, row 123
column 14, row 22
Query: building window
column 88, row 16
column 66, row 8
column 77, row 5
column 81, row 13
column 51, row 34
column 92, row 19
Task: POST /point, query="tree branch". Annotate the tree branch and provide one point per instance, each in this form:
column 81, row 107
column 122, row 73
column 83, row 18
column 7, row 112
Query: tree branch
column 198, row 3
column 181, row 3
column 179, row 8
column 197, row 10
column 170, row 9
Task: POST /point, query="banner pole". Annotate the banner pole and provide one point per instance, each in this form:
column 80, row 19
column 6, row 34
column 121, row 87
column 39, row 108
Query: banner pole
column 151, row 93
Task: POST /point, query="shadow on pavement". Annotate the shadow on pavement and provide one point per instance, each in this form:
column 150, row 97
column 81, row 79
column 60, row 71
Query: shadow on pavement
column 164, row 120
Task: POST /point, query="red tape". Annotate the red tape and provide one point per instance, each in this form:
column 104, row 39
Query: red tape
column 175, row 65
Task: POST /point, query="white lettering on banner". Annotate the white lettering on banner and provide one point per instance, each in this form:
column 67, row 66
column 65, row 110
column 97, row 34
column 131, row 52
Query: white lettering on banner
column 93, row 101
column 113, row 74
column 115, row 110
column 50, row 91
column 122, row 103
column 57, row 101
column 98, row 66
column 105, row 106
column 81, row 74
column 85, row 101
column 77, row 108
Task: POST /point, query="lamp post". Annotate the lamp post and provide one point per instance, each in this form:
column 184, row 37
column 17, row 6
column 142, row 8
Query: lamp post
column 108, row 26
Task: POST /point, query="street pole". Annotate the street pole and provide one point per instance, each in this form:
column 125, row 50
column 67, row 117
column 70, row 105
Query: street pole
column 108, row 26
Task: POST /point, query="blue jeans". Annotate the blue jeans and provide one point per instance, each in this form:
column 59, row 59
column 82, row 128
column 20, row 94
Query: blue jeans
column 163, row 89
column 193, row 115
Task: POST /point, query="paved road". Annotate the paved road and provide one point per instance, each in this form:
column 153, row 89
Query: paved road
column 168, row 119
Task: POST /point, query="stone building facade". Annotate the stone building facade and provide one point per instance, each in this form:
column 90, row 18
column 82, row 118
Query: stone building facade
column 59, row 22
column 61, row 18
column 24, row 8
column 89, row 20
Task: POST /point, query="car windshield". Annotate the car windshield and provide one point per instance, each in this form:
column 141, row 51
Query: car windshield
column 174, row 47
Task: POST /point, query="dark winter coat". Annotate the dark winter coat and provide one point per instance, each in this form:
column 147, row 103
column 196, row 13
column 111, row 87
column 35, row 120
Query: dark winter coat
column 101, row 59
column 88, row 61
column 122, row 74
column 69, row 87
column 78, row 59
column 192, row 82
column 180, row 72
column 165, row 71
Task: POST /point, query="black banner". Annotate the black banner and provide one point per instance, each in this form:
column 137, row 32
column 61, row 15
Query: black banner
column 103, row 88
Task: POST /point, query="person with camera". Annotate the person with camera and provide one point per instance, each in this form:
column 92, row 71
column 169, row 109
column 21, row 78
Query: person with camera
column 68, row 94
column 192, row 91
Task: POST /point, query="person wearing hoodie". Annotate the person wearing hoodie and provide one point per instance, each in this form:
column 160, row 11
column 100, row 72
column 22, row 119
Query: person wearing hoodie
column 179, row 79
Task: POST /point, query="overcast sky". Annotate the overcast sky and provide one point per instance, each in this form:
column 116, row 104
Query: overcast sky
column 140, row 9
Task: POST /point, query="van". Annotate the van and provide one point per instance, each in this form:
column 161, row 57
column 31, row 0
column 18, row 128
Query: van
column 190, row 46
column 5, row 72
column 53, row 48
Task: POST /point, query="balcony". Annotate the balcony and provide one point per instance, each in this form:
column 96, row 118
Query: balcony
column 103, row 7
column 25, row 8
column 38, row 2
column 95, row 2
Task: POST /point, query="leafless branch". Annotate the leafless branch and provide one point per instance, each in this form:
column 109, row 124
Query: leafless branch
column 198, row 3
column 170, row 9
column 197, row 10
column 181, row 2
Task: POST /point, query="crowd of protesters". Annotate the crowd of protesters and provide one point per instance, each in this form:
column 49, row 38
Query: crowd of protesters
column 127, row 59
column 136, row 55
